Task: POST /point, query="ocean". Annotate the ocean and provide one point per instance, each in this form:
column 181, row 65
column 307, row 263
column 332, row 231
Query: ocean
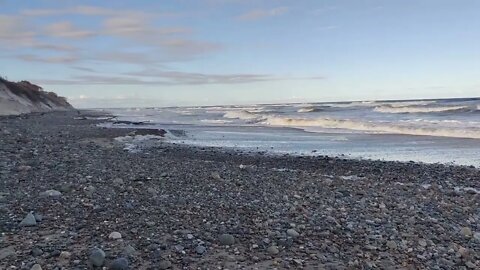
column 430, row 131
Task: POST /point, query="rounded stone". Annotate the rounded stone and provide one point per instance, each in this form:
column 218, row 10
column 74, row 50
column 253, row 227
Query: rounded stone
column 292, row 233
column 36, row 251
column 36, row 267
column 273, row 250
column 476, row 236
column 466, row 232
column 165, row 264
column 51, row 193
column 97, row 257
column 129, row 251
column 200, row 250
column 226, row 239
column 422, row 242
column 119, row 264
column 391, row 244
column 115, row 236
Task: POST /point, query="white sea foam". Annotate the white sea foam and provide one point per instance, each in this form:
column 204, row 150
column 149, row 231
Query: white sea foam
column 306, row 110
column 243, row 115
column 407, row 103
column 419, row 109
column 374, row 127
column 215, row 121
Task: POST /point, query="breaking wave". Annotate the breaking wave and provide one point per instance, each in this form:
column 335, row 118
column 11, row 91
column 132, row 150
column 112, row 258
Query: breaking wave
column 375, row 127
column 310, row 109
column 243, row 115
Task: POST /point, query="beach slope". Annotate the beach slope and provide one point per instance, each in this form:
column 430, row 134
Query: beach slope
column 72, row 196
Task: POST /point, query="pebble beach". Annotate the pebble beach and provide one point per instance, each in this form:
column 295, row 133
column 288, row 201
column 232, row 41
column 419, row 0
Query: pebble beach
column 73, row 197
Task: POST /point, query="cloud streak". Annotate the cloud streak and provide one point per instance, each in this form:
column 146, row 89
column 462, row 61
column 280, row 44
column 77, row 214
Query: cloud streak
column 66, row 29
column 258, row 14
column 171, row 78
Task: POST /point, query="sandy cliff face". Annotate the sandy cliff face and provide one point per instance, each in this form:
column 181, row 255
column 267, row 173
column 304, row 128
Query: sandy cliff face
column 25, row 97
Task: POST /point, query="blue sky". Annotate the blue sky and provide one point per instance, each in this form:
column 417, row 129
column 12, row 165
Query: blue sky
column 205, row 52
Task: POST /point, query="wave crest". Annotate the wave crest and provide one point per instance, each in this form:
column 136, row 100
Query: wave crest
column 420, row 109
column 243, row 115
column 375, row 127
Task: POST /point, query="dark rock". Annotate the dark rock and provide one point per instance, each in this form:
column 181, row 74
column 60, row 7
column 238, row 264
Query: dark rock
column 226, row 239
column 119, row 264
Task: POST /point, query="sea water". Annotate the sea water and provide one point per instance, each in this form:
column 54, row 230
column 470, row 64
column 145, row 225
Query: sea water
column 431, row 131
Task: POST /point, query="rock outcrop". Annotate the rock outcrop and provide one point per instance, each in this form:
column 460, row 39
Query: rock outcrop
column 25, row 97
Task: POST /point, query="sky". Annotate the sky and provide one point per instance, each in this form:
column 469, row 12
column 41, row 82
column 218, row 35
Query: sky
column 210, row 52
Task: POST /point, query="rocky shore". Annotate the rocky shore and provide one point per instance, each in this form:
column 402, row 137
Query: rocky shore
column 71, row 197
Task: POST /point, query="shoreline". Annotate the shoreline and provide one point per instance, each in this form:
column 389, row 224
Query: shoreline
column 170, row 201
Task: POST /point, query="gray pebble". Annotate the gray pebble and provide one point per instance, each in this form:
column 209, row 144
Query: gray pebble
column 36, row 251
column 273, row 250
column 226, row 239
column 51, row 193
column 97, row 257
column 200, row 250
column 165, row 264
column 119, row 264
column 36, row 267
column 293, row 233
column 29, row 220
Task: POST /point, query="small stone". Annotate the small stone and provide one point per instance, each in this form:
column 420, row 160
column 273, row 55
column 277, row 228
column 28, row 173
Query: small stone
column 466, row 232
column 24, row 168
column 150, row 223
column 65, row 255
column 297, row 261
column 38, row 217
column 66, row 187
column 293, row 233
column 470, row 265
column 422, row 242
column 36, row 267
column 476, row 236
column 391, row 244
column 119, row 264
column 51, row 193
column 90, row 190
column 216, row 176
column 97, row 257
column 179, row 248
column 29, row 220
column 463, row 252
column 190, row 236
column 6, row 252
column 118, row 181
column 55, row 253
column 273, row 250
column 115, row 236
column 200, row 250
column 36, row 251
column 165, row 264
column 227, row 239
column 129, row 251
